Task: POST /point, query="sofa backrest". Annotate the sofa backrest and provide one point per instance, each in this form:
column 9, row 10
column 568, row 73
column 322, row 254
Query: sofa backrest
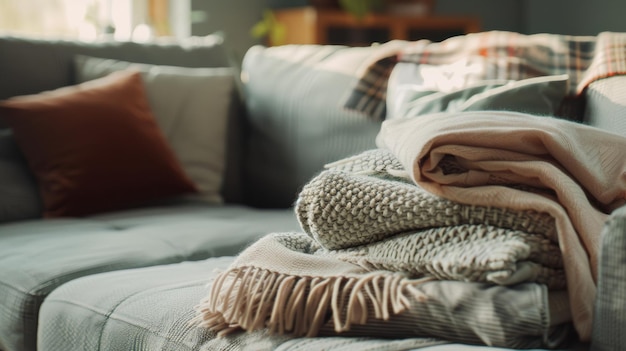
column 294, row 96
column 29, row 66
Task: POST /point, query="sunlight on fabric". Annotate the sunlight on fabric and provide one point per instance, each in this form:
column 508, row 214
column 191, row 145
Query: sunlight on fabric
column 450, row 77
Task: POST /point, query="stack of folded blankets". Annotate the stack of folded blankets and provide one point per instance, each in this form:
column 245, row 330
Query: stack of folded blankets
column 472, row 227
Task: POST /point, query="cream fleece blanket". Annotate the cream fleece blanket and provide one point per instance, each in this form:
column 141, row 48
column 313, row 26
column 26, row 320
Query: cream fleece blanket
column 574, row 172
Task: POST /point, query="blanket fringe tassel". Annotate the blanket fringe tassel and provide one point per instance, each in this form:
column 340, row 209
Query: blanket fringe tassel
column 251, row 298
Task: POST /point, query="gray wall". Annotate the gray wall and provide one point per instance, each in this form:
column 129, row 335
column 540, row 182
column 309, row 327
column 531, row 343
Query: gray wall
column 493, row 14
column 576, row 17
column 234, row 17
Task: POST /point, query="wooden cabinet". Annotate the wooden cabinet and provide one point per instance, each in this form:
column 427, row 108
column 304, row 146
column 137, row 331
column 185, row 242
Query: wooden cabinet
column 310, row 25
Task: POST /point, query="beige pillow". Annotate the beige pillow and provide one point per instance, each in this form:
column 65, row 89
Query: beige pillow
column 191, row 107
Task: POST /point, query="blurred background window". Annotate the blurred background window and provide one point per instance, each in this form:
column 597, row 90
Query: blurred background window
column 88, row 20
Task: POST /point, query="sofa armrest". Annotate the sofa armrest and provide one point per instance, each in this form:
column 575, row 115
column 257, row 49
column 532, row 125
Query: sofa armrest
column 609, row 327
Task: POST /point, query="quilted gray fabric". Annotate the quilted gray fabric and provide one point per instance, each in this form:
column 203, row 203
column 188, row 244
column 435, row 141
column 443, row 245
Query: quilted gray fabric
column 38, row 256
column 147, row 309
column 150, row 309
column 610, row 309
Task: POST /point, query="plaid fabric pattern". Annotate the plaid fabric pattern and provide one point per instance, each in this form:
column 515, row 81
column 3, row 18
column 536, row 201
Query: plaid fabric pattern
column 498, row 55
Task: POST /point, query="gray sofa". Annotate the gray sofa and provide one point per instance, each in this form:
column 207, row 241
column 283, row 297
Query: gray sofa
column 128, row 279
column 264, row 166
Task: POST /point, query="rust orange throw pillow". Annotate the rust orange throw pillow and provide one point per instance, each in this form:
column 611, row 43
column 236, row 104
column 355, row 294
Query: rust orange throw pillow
column 95, row 147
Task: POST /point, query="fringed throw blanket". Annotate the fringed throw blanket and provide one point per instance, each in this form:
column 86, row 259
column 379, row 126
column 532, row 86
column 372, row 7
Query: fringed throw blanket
column 485, row 200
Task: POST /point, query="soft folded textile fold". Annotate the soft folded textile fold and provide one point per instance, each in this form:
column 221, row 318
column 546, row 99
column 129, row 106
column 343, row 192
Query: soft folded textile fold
column 341, row 209
column 280, row 284
column 352, row 301
column 372, row 239
column 574, row 172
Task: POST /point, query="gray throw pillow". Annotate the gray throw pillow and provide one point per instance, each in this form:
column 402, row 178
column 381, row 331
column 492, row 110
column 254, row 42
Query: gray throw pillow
column 19, row 194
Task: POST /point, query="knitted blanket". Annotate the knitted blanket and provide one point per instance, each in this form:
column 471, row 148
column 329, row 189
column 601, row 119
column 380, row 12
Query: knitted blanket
column 500, row 199
column 377, row 248
column 360, row 211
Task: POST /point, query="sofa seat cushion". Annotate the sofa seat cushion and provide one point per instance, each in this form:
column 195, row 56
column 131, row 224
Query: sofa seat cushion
column 151, row 309
column 38, row 256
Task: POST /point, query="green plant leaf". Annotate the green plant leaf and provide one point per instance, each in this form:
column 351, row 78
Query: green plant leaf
column 269, row 27
column 259, row 30
column 360, row 8
column 278, row 34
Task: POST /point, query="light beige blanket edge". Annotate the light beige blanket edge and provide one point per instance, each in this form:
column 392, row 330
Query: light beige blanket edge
column 581, row 169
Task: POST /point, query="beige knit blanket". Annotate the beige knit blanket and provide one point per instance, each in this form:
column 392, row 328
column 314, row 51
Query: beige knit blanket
column 478, row 204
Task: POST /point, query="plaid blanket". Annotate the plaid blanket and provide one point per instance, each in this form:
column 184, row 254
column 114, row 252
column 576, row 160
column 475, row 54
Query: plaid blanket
column 496, row 55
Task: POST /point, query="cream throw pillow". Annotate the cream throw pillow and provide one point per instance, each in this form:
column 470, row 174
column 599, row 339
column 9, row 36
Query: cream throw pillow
column 191, row 107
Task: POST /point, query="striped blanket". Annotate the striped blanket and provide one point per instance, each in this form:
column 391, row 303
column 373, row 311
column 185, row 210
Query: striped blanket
column 494, row 55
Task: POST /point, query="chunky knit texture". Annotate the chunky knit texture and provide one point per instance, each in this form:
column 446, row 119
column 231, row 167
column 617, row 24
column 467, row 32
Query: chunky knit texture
column 361, row 210
column 365, row 198
column 371, row 240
